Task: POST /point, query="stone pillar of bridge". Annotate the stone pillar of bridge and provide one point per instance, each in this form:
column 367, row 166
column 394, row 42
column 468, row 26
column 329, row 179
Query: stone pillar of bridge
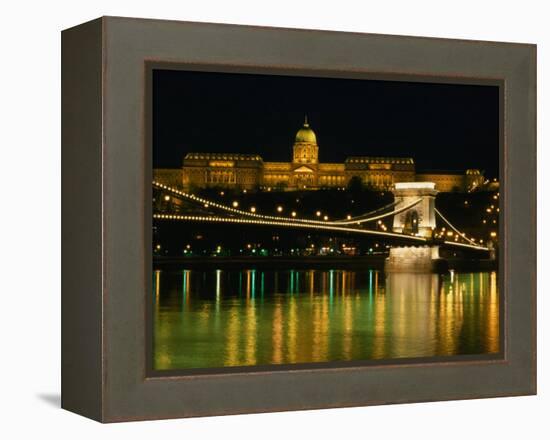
column 420, row 218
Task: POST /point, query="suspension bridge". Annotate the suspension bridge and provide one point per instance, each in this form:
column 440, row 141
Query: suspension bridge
column 413, row 212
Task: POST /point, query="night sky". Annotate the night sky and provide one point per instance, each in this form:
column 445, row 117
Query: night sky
column 443, row 127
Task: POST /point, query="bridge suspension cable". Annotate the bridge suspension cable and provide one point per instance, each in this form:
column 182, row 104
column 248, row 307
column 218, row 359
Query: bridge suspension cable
column 466, row 245
column 376, row 211
column 378, row 217
column 455, row 229
column 208, row 203
column 338, row 225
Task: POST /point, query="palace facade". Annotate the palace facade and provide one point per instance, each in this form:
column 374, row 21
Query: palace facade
column 250, row 171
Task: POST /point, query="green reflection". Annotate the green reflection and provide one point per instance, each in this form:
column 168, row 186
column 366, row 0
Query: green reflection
column 370, row 283
column 262, row 279
column 345, row 315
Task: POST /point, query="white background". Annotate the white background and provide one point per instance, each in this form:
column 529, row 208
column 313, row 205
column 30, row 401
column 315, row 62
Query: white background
column 30, row 218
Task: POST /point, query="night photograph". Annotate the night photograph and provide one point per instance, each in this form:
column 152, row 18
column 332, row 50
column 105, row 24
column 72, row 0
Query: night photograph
column 301, row 220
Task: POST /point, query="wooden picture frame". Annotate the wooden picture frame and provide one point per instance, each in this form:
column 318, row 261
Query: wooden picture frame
column 106, row 215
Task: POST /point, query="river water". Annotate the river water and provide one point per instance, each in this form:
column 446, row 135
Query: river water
column 221, row 318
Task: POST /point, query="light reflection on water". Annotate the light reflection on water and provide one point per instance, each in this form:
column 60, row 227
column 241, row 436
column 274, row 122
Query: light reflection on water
column 217, row 318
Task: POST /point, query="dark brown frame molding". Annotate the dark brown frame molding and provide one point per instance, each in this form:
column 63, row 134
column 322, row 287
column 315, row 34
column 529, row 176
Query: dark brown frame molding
column 106, row 215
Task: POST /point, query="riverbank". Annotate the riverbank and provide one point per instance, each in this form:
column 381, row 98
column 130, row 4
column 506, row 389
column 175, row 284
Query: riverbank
column 286, row 262
column 311, row 262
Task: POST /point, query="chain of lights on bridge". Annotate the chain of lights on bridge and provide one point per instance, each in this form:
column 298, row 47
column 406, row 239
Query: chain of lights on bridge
column 267, row 220
column 349, row 221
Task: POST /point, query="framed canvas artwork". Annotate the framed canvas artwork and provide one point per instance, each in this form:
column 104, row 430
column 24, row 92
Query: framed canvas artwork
column 262, row 219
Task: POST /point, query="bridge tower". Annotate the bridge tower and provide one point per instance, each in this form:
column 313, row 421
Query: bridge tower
column 420, row 218
column 417, row 219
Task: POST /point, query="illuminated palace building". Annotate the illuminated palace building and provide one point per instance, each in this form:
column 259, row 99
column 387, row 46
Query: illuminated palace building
column 250, row 171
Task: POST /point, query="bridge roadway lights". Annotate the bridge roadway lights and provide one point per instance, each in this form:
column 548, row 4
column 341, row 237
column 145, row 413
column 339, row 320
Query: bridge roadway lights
column 410, row 259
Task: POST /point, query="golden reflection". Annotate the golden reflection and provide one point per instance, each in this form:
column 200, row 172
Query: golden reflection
column 186, row 285
column 435, row 292
column 325, row 328
column 350, row 315
column 450, row 319
column 251, row 336
column 157, row 285
column 292, row 330
column 163, row 361
column 348, row 328
column 493, row 330
column 277, row 334
column 344, row 275
column 253, row 284
column 232, row 339
column 248, row 276
column 320, row 328
column 481, row 297
column 434, row 289
column 218, row 288
column 408, row 296
column 379, row 343
column 481, row 286
column 316, row 329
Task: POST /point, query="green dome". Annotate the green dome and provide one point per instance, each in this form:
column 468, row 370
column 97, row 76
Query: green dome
column 306, row 134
